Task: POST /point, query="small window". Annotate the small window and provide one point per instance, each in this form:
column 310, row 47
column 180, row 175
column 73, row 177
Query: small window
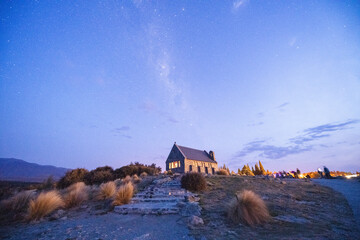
column 199, row 169
column 213, row 170
column 206, row 170
column 190, row 168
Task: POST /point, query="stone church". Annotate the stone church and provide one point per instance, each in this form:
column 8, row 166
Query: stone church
column 183, row 159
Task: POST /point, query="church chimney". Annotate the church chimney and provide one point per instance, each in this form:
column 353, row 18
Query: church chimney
column 212, row 155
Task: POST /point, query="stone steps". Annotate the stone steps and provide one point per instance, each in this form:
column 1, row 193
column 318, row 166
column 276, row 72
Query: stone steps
column 148, row 208
column 157, row 199
column 163, row 196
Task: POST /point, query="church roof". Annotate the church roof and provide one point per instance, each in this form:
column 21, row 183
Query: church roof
column 195, row 154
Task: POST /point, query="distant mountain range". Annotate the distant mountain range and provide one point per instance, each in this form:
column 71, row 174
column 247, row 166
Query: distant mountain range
column 12, row 169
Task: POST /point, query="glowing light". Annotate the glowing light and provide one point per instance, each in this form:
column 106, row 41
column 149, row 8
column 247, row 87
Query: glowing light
column 351, row 176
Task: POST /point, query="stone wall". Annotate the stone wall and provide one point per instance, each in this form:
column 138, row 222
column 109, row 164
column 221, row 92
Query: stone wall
column 195, row 164
column 175, row 155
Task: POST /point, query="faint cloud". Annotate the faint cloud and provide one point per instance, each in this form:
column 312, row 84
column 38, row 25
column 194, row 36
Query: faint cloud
column 239, row 3
column 298, row 144
column 255, row 124
column 270, row 151
column 120, row 132
column 283, row 105
column 137, row 3
column 172, row 120
column 121, row 129
column 260, row 114
column 292, row 41
column 322, row 131
column 147, row 106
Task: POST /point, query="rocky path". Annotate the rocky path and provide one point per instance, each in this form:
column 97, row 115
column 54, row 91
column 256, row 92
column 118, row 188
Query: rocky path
column 163, row 196
column 350, row 189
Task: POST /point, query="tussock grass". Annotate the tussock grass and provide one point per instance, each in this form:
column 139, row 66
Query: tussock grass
column 126, row 179
column 124, row 194
column 249, row 208
column 106, row 190
column 136, row 179
column 118, row 182
column 19, row 202
column 44, row 204
column 76, row 194
column 143, row 174
column 222, row 172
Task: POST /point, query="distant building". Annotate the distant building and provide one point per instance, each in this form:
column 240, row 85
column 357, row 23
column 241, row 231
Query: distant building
column 183, row 159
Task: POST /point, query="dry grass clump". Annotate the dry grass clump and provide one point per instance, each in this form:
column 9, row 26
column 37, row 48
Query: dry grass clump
column 106, row 190
column 143, row 174
column 44, row 204
column 19, row 202
column 136, row 179
column 193, row 181
column 249, row 208
column 124, row 194
column 126, row 179
column 222, row 172
column 76, row 194
column 118, row 182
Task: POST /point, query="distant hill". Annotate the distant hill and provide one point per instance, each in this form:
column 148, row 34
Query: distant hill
column 12, row 169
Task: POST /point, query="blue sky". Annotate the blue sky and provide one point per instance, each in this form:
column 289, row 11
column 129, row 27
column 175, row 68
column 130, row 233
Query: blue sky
column 93, row 83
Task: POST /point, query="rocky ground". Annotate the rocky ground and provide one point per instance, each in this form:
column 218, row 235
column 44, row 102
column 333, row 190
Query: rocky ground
column 300, row 210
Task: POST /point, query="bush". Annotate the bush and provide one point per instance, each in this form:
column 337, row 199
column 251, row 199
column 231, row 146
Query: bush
column 126, row 179
column 193, row 181
column 222, row 172
column 72, row 176
column 17, row 203
column 137, row 169
column 44, row 204
column 124, row 194
column 47, row 184
column 100, row 175
column 76, row 194
column 136, row 179
column 249, row 208
column 106, row 190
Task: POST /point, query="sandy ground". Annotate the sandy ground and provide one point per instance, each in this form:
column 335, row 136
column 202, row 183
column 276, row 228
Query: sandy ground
column 107, row 226
column 350, row 189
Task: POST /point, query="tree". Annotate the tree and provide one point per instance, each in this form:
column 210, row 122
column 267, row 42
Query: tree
column 262, row 170
column 257, row 170
column 239, row 171
column 246, row 171
column 252, row 169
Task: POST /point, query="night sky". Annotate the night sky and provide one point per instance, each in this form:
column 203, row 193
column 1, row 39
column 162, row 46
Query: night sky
column 94, row 83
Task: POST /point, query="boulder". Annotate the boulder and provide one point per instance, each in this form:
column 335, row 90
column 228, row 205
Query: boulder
column 195, row 220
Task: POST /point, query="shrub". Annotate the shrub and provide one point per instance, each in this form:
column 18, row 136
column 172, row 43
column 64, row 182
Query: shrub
column 124, row 194
column 136, row 179
column 44, row 204
column 193, row 181
column 222, row 172
column 100, row 175
column 126, row 179
column 19, row 202
column 72, row 176
column 137, row 169
column 48, row 184
column 143, row 174
column 76, row 194
column 106, row 190
column 249, row 208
